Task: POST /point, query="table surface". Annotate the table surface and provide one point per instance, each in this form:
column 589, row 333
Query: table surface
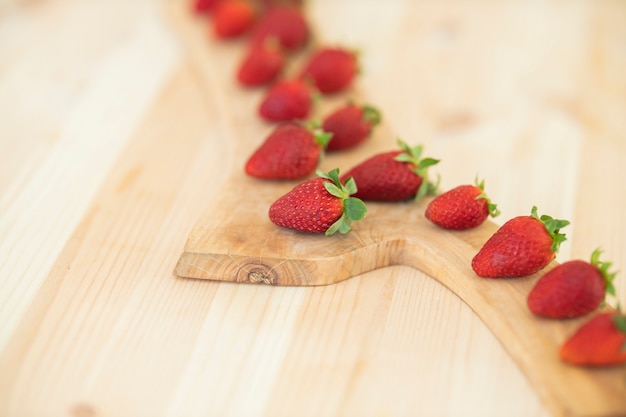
column 111, row 152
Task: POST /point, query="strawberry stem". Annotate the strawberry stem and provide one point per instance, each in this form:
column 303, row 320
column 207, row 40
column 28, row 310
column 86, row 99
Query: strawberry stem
column 553, row 226
column 353, row 208
column 491, row 206
column 413, row 155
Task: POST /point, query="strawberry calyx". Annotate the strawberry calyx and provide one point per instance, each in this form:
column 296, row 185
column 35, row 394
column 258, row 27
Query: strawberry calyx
column 619, row 320
column 413, row 155
column 491, row 206
column 603, row 267
column 354, row 209
column 371, row 114
column 553, row 226
column 321, row 137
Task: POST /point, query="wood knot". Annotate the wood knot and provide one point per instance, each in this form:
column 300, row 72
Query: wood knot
column 257, row 273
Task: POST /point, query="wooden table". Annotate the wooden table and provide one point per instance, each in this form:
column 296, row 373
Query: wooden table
column 112, row 150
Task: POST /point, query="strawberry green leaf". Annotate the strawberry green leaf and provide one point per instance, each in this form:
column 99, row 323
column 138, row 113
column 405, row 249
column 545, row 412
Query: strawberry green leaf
column 620, row 322
column 427, row 188
column 371, row 114
column 553, row 226
column 403, row 157
column 334, row 177
column 313, row 124
column 350, row 185
column 334, row 190
column 354, row 208
column 412, row 155
column 491, row 206
column 342, row 225
column 321, row 137
column 427, row 162
column 331, row 175
column 334, row 228
column 604, row 267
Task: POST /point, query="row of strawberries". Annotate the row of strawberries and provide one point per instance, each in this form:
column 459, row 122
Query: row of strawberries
column 329, row 203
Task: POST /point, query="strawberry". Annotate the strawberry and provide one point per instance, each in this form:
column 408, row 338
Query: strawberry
column 286, row 24
column 350, row 125
column 291, row 151
column 204, row 6
column 572, row 289
column 286, row 100
column 394, row 175
column 232, row 18
column 600, row 341
column 261, row 65
column 520, row 247
column 319, row 205
column 331, row 69
column 463, row 207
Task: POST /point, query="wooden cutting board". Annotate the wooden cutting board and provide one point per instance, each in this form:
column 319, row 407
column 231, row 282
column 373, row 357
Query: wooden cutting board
column 235, row 241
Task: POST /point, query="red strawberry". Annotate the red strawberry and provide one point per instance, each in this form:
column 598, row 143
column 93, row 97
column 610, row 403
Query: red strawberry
column 204, row 6
column 284, row 23
column 331, row 69
column 350, row 125
column 291, row 151
column 522, row 246
column 463, row 207
column 394, row 176
column 232, row 18
column 319, row 205
column 261, row 65
column 572, row 289
column 286, row 100
column 601, row 341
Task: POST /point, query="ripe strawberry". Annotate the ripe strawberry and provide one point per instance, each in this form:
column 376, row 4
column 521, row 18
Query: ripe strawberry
column 350, row 125
column 232, row 18
column 461, row 208
column 522, row 246
column 601, row 341
column 331, row 69
column 286, row 100
column 204, row 6
column 572, row 289
column 394, row 176
column 291, row 151
column 261, row 65
column 319, row 205
column 286, row 24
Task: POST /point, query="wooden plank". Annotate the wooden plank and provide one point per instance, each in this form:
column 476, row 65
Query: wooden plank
column 109, row 330
column 64, row 134
column 234, row 241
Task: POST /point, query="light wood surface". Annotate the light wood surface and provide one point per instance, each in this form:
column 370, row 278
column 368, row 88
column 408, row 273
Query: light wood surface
column 115, row 145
